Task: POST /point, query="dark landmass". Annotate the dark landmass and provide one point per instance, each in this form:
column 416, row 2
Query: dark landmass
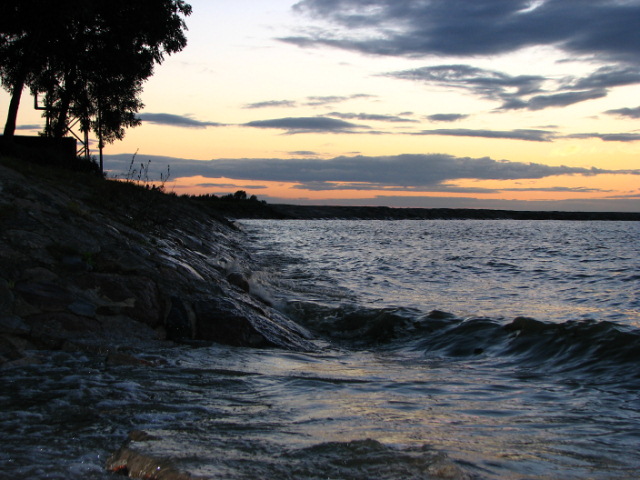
column 321, row 212
column 113, row 268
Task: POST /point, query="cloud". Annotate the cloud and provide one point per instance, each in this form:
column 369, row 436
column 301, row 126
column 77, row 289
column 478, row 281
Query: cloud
column 518, row 134
column 271, row 104
column 183, row 121
column 408, row 171
column 29, row 127
column 315, row 101
column 606, row 29
column 564, row 99
column 446, row 117
column 600, row 31
column 489, row 84
column 608, row 137
column 607, row 77
column 625, row 112
column 231, row 186
column 307, row 125
column 304, row 153
column 514, row 92
column 372, row 117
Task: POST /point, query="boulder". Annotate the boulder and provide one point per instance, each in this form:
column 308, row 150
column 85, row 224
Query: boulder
column 232, row 321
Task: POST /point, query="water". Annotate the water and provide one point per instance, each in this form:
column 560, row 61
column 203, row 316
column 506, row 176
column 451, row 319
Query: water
column 451, row 349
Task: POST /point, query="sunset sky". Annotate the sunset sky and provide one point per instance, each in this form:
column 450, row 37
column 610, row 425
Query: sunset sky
column 514, row 104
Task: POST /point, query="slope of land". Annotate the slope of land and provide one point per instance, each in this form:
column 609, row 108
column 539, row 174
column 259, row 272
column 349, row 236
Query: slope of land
column 114, row 267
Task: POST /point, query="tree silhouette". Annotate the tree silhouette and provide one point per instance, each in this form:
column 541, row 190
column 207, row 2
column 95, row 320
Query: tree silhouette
column 89, row 59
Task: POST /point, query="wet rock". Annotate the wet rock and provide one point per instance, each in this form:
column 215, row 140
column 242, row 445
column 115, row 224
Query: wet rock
column 78, row 272
column 133, row 464
column 6, row 296
column 82, row 307
column 61, row 324
column 180, row 322
column 46, row 296
column 118, row 358
column 135, row 296
column 239, row 281
column 233, row 322
column 12, row 324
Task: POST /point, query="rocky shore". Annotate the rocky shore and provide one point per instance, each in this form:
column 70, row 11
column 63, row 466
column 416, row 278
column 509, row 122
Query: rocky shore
column 114, row 267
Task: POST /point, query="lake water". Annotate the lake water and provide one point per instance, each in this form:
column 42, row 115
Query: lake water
column 449, row 349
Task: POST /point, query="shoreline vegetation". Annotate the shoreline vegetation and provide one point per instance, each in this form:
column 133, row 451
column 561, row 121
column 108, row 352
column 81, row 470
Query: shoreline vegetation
column 319, row 212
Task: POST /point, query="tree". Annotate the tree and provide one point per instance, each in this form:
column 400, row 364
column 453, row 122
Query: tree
column 89, row 59
column 28, row 34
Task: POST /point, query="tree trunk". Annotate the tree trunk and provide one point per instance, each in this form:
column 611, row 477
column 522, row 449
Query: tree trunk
column 60, row 126
column 14, row 105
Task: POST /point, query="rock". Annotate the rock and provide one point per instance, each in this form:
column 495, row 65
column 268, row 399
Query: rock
column 46, row 296
column 233, row 322
column 133, row 464
column 180, row 322
column 6, row 296
column 131, row 295
column 118, row 358
column 82, row 307
column 239, row 281
column 13, row 324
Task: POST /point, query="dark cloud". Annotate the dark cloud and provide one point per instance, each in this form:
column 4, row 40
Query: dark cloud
column 564, row 99
column 607, row 29
column 29, row 127
column 518, row 134
column 176, row 120
column 372, row 117
column 515, row 92
column 625, row 112
column 272, row 103
column 307, row 125
column 487, row 84
column 446, row 117
column 602, row 30
column 415, row 172
column 304, row 153
column 231, row 186
column 606, row 77
column 315, row 101
column 608, row 137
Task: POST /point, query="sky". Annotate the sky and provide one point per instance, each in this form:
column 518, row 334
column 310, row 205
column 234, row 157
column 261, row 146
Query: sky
column 504, row 104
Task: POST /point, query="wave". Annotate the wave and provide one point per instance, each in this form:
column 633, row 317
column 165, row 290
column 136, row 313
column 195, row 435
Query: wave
column 599, row 348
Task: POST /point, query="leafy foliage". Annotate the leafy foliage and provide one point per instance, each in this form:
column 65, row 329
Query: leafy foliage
column 89, row 59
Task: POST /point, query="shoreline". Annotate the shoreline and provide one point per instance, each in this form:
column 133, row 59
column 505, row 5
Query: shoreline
column 326, row 212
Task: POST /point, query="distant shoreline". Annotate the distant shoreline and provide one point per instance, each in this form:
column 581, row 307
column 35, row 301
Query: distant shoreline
column 326, row 212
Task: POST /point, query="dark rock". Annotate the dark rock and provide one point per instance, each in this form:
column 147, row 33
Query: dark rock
column 239, row 281
column 82, row 307
column 141, row 436
column 118, row 358
column 133, row 464
column 135, row 296
column 14, row 325
column 232, row 322
column 179, row 323
column 48, row 297
column 6, row 296
column 59, row 324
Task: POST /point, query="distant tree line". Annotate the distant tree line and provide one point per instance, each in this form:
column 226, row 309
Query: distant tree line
column 239, row 196
column 87, row 59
